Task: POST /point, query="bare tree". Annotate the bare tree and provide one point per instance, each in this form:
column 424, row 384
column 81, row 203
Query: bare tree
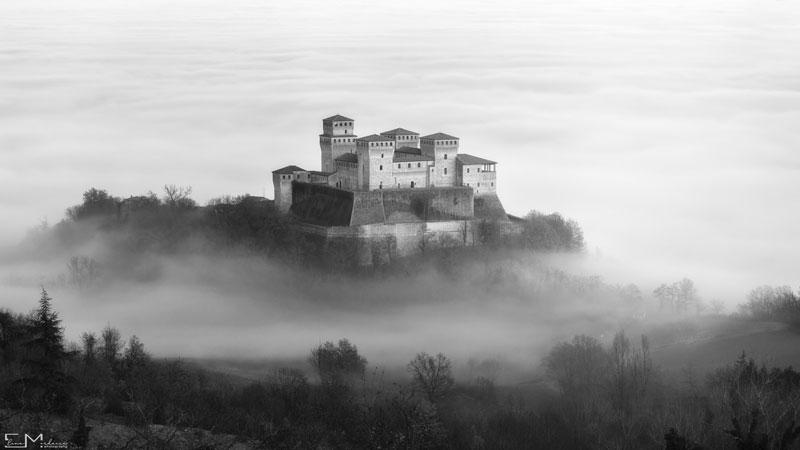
column 178, row 196
column 432, row 375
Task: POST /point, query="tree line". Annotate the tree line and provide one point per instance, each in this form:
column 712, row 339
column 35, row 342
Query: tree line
column 601, row 396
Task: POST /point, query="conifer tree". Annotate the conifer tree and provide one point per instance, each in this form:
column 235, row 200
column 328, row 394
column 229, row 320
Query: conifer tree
column 44, row 378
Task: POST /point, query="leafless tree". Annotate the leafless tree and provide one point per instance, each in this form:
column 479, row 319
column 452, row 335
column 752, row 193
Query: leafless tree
column 432, row 375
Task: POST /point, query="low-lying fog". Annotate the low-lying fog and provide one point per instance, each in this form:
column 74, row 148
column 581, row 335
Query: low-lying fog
column 251, row 308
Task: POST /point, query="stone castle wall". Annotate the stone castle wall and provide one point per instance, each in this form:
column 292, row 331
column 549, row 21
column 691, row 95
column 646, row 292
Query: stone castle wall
column 328, row 206
column 377, row 244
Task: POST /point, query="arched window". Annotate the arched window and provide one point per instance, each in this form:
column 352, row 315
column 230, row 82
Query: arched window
column 412, row 184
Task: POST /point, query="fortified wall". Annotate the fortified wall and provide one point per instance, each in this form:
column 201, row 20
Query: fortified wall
column 386, row 224
column 329, row 206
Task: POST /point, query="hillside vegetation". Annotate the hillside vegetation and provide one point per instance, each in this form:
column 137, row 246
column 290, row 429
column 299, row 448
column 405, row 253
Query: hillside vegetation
column 590, row 396
column 174, row 223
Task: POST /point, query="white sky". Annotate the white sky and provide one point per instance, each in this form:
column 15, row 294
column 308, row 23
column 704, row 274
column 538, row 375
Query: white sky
column 670, row 130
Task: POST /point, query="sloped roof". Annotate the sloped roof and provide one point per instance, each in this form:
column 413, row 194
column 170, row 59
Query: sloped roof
column 439, row 136
column 469, row 160
column 401, row 131
column 404, row 157
column 337, row 118
column 347, row 157
column 407, row 149
column 375, row 138
column 288, row 170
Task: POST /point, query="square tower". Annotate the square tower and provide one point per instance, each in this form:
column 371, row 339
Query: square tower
column 338, row 137
column 375, row 154
column 443, row 148
column 403, row 137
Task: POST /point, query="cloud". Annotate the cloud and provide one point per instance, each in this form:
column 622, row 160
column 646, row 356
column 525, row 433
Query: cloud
column 669, row 132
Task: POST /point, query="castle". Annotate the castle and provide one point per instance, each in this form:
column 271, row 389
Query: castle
column 396, row 190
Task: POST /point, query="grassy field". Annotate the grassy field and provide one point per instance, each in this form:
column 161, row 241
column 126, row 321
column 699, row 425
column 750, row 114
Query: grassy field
column 720, row 341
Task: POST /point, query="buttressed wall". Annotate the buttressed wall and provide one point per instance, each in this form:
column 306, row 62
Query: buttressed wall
column 327, row 206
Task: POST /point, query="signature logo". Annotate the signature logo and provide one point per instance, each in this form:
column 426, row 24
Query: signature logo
column 16, row 440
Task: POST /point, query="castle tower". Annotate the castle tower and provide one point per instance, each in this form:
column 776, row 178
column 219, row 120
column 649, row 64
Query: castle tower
column 403, row 137
column 375, row 154
column 282, row 183
column 338, row 137
column 443, row 148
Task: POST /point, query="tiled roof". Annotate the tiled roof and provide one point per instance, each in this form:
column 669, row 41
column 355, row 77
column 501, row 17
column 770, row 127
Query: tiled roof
column 375, row 138
column 348, row 157
column 470, row 160
column 400, row 131
column 337, row 118
column 289, row 170
column 404, row 157
column 439, row 136
column 406, row 149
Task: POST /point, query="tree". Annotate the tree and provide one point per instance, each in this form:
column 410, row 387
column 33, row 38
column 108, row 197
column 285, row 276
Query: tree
column 111, row 345
column 432, row 375
column 135, row 354
column 89, row 347
column 579, row 368
column 44, row 382
column 178, row 196
column 96, row 202
column 337, row 363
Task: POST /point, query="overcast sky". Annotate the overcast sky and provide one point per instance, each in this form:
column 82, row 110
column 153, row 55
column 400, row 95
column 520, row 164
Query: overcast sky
column 670, row 130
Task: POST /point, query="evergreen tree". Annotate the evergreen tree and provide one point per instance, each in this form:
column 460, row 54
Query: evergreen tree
column 44, row 383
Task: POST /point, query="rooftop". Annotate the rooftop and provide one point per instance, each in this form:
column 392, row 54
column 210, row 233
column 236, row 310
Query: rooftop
column 404, row 157
column 337, row 118
column 407, row 149
column 348, row 157
column 339, row 135
column 375, row 138
column 439, row 136
column 324, row 174
column 470, row 160
column 288, row 170
column 399, row 131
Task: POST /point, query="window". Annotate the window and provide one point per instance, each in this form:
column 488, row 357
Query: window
column 398, row 166
column 467, row 170
column 419, row 164
column 445, row 156
column 381, row 155
column 409, row 165
column 492, row 184
column 381, row 167
column 380, row 186
column 412, row 184
column 445, row 170
column 479, row 169
column 479, row 185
